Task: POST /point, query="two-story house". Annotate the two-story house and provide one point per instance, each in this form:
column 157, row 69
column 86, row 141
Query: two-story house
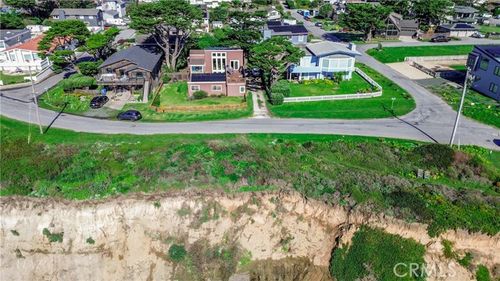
column 396, row 25
column 296, row 33
column 486, row 70
column 113, row 12
column 23, row 57
column 217, row 71
column 323, row 60
column 91, row 17
column 137, row 67
column 463, row 14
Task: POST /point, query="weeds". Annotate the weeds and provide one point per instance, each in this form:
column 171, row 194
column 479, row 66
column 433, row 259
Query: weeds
column 53, row 237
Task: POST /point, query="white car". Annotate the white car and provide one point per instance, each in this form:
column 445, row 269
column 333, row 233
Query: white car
column 478, row 35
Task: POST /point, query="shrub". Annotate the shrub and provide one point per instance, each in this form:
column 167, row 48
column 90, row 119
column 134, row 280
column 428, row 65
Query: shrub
column 198, row 95
column 282, row 87
column 89, row 68
column 448, row 249
column 277, row 98
column 177, row 252
column 165, row 78
column 482, row 273
column 466, row 260
column 53, row 237
column 78, row 81
column 435, row 155
column 90, row 241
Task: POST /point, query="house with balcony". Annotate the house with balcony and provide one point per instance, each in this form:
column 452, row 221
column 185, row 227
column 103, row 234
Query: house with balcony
column 463, row 14
column 217, row 71
column 485, row 63
column 135, row 68
column 297, row 34
column 23, row 57
column 323, row 60
column 91, row 17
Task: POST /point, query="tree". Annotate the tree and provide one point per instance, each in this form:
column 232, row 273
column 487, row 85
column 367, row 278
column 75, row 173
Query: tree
column 11, row 20
column 431, row 12
column 325, row 11
column 99, row 45
column 34, row 8
column 273, row 57
column 76, row 4
column 402, row 7
column 171, row 23
column 27, row 5
column 89, row 68
column 366, row 18
column 221, row 13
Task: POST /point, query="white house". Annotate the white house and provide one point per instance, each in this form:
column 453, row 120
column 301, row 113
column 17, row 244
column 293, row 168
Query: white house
column 323, row 59
column 273, row 14
column 113, row 11
column 23, row 57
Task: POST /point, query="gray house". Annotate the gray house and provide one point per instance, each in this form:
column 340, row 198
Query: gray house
column 397, row 26
column 91, row 17
column 296, row 33
column 11, row 37
column 486, row 70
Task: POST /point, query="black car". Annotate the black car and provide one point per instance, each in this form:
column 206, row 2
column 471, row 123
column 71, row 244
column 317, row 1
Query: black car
column 441, row 38
column 68, row 74
column 132, row 115
column 98, row 102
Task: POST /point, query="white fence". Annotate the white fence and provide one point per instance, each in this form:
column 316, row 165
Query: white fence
column 343, row 97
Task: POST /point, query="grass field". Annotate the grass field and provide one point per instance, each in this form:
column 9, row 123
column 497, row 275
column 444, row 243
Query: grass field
column 488, row 28
column 355, row 85
column 56, row 98
column 374, row 173
column 177, row 94
column 11, row 79
column 398, row 54
column 476, row 106
column 380, row 252
column 352, row 109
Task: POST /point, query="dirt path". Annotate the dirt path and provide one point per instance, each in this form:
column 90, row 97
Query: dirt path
column 259, row 108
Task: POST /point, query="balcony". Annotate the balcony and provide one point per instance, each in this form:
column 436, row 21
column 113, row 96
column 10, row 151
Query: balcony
column 113, row 79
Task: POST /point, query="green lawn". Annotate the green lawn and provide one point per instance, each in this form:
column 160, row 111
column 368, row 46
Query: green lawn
column 476, row 106
column 487, row 28
column 398, row 54
column 56, row 98
column 352, row 109
column 177, row 94
column 11, row 79
column 321, row 87
column 459, row 67
column 376, row 173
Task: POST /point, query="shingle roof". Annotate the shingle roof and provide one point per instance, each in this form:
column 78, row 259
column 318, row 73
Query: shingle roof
column 288, row 29
column 459, row 26
column 208, row 77
column 6, row 34
column 30, row 45
column 75, row 12
column 491, row 50
column 144, row 56
column 328, row 47
column 465, row 10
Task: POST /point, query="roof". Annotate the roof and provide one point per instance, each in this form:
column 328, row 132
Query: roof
column 465, row 10
column 208, row 77
column 493, row 51
column 288, row 29
column 30, row 45
column 6, row 34
column 401, row 23
column 327, row 47
column 75, row 12
column 458, row 27
column 144, row 56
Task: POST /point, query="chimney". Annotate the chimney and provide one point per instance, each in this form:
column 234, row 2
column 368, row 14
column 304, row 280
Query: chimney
column 352, row 46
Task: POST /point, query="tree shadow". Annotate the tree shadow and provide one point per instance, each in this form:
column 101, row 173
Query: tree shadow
column 55, row 118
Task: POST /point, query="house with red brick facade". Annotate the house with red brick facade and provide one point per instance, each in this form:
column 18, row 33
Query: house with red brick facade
column 217, row 71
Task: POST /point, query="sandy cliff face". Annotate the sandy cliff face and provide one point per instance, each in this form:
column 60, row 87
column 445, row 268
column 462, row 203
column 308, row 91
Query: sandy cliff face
column 132, row 236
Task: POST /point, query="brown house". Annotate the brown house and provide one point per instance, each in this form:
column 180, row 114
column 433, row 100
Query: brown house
column 135, row 68
column 397, row 26
column 217, row 71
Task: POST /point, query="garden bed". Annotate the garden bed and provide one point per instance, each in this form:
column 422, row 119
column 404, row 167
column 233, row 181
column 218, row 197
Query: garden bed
column 327, row 87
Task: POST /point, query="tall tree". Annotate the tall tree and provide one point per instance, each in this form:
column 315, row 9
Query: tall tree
column 326, row 11
column 366, row 18
column 99, row 45
column 171, row 23
column 220, row 13
column 11, row 20
column 34, row 8
column 273, row 57
column 402, row 7
column 431, row 12
column 76, row 4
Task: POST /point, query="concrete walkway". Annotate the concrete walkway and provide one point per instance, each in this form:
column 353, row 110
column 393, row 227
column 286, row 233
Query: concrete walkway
column 259, row 108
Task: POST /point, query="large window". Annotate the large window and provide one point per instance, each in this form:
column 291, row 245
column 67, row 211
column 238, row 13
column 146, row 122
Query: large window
column 195, row 88
column 218, row 62
column 235, row 64
column 493, row 87
column 484, row 64
column 12, row 56
column 27, row 57
column 197, row 69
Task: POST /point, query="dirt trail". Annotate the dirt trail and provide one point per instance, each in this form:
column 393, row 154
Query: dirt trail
column 132, row 235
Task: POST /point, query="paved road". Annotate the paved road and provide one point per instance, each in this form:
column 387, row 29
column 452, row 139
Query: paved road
column 431, row 121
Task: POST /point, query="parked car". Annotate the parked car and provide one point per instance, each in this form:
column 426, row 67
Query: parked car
column 441, row 38
column 68, row 74
column 98, row 102
column 478, row 35
column 131, row 115
column 318, row 24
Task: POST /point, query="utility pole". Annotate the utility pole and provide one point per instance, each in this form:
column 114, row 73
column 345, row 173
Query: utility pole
column 460, row 107
column 35, row 101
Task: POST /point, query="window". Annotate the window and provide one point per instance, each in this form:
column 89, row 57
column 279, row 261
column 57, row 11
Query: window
column 493, row 87
column 301, row 38
column 82, row 17
column 216, row 88
column 497, row 70
column 235, row 64
column 197, row 69
column 195, row 88
column 12, row 56
column 484, row 64
column 218, row 62
column 2, row 44
column 242, row 89
column 35, row 56
column 139, row 74
column 27, row 57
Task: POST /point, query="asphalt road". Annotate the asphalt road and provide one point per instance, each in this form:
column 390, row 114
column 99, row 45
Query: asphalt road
column 432, row 120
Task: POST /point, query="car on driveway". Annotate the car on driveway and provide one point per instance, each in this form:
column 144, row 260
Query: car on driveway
column 131, row 115
column 441, row 38
column 307, row 18
column 478, row 35
column 98, row 102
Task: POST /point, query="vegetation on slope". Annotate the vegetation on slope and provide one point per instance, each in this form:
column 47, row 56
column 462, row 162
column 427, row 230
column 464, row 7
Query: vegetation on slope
column 379, row 175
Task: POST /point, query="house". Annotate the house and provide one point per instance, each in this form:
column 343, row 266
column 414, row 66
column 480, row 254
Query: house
column 91, row 17
column 397, row 26
column 137, row 67
column 11, row 37
column 463, row 14
column 113, row 12
column 217, row 71
column 23, row 57
column 273, row 14
column 486, row 70
column 296, row 33
column 323, row 60
column 457, row 29
column 210, row 3
column 217, row 24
